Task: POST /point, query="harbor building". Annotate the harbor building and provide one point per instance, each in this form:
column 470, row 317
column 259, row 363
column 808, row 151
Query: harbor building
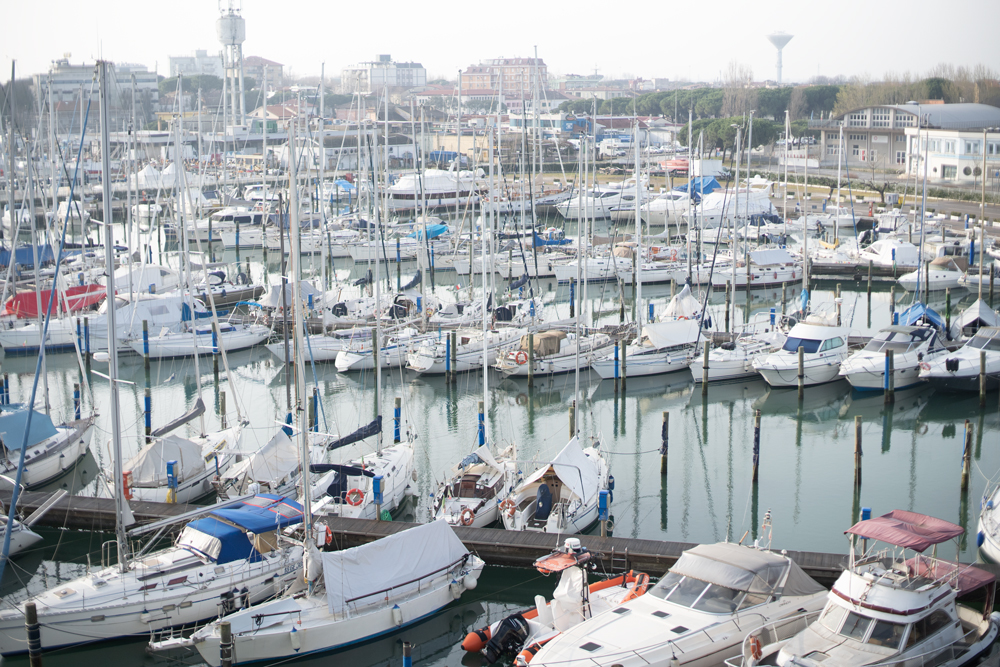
column 202, row 62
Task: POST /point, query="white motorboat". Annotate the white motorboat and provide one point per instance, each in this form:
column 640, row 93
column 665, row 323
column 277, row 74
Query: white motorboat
column 431, row 356
column 555, row 352
column 521, row 635
column 960, row 370
column 824, row 348
column 733, row 360
column 438, row 187
column 51, row 450
column 236, row 547
column 942, row 273
column 911, row 347
column 766, row 267
column 694, row 615
column 970, row 320
column 886, row 609
column 228, row 220
column 890, row 253
column 598, row 204
column 988, row 530
column 663, row 347
column 593, row 269
column 365, row 592
column 475, row 486
column 357, row 355
column 204, row 340
column 561, row 496
column 323, row 347
column 666, row 208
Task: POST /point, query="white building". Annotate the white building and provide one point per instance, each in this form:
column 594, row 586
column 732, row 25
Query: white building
column 68, row 81
column 955, row 156
column 382, row 73
column 200, row 63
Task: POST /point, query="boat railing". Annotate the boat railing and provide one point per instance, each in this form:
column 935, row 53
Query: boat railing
column 461, row 561
column 770, row 633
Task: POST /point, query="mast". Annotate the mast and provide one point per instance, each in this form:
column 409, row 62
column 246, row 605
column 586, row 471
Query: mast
column 267, row 203
column 377, row 343
column 109, row 267
column 486, row 236
column 638, row 229
column 691, row 195
column 784, row 202
column 736, row 214
column 458, row 159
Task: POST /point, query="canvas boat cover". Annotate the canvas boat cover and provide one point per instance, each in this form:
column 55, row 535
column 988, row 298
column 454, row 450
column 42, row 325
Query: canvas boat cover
column 771, row 256
column 979, row 314
column 918, row 311
column 546, row 342
column 700, row 184
column 683, row 304
column 25, row 304
column 969, row 577
column 270, row 464
column 149, row 178
column 433, row 231
column 358, row 575
column 909, row 530
column 222, row 536
column 951, row 263
column 481, row 455
column 745, row 568
column 149, row 465
column 272, row 299
column 197, row 410
column 573, row 468
column 13, row 425
column 672, row 333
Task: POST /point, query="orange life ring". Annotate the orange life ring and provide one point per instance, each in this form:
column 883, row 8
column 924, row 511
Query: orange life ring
column 640, row 586
column 521, row 357
column 507, row 506
column 682, row 317
column 756, row 650
column 522, row 399
column 925, row 366
column 673, row 254
column 467, row 517
column 355, row 497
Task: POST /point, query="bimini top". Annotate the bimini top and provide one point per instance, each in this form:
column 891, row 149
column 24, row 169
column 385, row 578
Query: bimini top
column 745, row 569
column 907, row 529
column 222, row 535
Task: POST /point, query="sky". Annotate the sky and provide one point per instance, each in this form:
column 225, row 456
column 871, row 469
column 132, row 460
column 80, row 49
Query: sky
column 676, row 40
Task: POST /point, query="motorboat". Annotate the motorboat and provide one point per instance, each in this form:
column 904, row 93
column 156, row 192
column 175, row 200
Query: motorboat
column 700, row 611
column 887, row 609
column 762, row 267
column 364, row 592
column 240, row 546
column 431, row 356
column 959, row 370
column 890, row 253
column 392, row 353
column 662, row 347
column 593, row 269
column 562, row 495
column 911, row 346
column 51, row 451
column 522, row 634
column 598, row 203
column 942, row 273
column 666, row 208
column 438, row 187
column 322, row 347
column 824, row 347
column 472, row 493
column 734, row 360
column 555, row 352
column 970, row 320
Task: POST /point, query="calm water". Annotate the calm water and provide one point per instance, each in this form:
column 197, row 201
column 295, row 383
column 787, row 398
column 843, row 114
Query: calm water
column 912, row 452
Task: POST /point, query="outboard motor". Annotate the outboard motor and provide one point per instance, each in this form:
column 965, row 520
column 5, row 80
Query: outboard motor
column 508, row 639
column 339, row 309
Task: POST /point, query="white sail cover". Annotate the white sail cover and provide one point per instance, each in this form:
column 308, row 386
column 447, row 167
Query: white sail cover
column 771, row 256
column 673, row 333
column 682, row 305
column 271, row 463
column 149, row 466
column 358, row 574
column 978, row 311
column 574, row 469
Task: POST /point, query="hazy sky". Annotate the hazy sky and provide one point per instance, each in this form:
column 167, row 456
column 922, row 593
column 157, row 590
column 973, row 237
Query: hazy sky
column 689, row 40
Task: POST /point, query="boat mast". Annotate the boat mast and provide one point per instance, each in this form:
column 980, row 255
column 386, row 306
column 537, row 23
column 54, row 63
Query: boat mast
column 484, row 235
column 784, row 202
column 109, row 267
column 377, row 343
column 638, row 228
column 691, row 197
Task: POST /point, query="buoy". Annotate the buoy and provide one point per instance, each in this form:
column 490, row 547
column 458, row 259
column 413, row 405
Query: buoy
column 476, row 640
column 467, row 517
column 397, row 615
column 355, row 497
column 293, row 636
column 521, row 357
column 470, row 582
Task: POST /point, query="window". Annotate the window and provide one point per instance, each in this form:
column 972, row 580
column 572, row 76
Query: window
column 856, row 150
column 900, row 138
column 905, row 119
column 832, row 344
column 900, row 157
column 858, row 119
column 873, row 155
column 971, row 147
column 666, row 585
column 793, row 344
column 927, row 626
column 832, row 617
column 687, row 592
column 993, row 148
column 887, row 634
column 856, row 137
column 934, row 145
column 949, row 146
column 855, row 626
column 949, row 171
column 881, row 118
column 833, row 149
column 718, row 600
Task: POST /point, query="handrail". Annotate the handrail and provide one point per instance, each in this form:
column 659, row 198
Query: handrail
column 463, row 559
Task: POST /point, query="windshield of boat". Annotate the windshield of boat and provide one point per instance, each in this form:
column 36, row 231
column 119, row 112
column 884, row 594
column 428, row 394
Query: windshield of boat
column 809, row 345
column 898, row 341
column 862, row 628
column 987, row 341
column 703, row 596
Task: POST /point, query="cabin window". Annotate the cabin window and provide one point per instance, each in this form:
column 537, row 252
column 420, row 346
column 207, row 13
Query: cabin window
column 832, row 344
column 985, row 342
column 718, row 600
column 887, row 634
column 832, row 617
column 666, row 585
column 753, row 599
column 927, row 626
column 793, row 344
column 856, row 626
column 687, row 592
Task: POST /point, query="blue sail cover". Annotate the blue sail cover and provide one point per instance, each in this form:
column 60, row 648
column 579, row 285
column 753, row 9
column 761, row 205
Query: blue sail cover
column 235, row 545
column 13, row 424
column 918, row 311
column 702, row 185
column 433, row 231
column 24, row 256
column 539, row 241
column 230, row 525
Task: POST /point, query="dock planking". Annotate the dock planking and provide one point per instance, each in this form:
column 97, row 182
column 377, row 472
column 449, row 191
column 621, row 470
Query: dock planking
column 495, row 546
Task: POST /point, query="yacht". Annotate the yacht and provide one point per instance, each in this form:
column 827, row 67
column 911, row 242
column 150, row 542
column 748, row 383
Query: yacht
column 959, row 370
column 431, row 356
column 911, row 347
column 555, row 352
column 52, row 450
column 475, row 486
column 734, row 360
column 824, row 349
column 662, row 347
column 942, row 273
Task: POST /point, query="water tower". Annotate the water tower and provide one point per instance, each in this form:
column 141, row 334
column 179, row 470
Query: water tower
column 232, row 32
column 778, row 40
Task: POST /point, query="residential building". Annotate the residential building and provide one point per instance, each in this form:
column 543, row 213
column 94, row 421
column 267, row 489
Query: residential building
column 508, row 75
column 382, row 73
column 70, row 81
column 200, row 63
column 253, row 67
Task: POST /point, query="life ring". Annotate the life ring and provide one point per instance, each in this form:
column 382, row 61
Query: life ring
column 682, row 317
column 429, row 312
column 522, row 399
column 756, row 649
column 355, row 497
column 924, row 366
column 467, row 517
column 507, row 507
column 521, row 357
column 673, row 254
column 640, row 586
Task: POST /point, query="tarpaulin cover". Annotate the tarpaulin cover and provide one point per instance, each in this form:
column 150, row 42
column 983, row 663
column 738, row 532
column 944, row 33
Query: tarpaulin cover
column 262, row 513
column 414, row 282
column 771, row 256
column 539, row 241
column 12, row 425
column 672, row 333
column 977, row 315
column 546, row 342
column 481, row 455
column 24, row 256
column 149, row 465
column 218, row 540
column 366, row 431
column 907, row 529
column 271, row 463
column 744, row 569
column 682, row 305
column 433, row 231
column 919, row 311
column 272, row 299
column 699, row 184
column 970, row 577
column 78, row 297
column 573, row 468
column 360, row 573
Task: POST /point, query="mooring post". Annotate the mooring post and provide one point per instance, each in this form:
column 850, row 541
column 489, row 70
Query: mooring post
column 407, row 654
column 86, row 343
column 857, row 452
column 76, row 401
column 215, row 353
column 616, row 367
column 892, row 302
column 572, row 419
column 756, row 444
column 704, row 368
column 992, row 274
column 624, row 351
column 602, row 511
column 454, row 358
column 784, row 296
column 145, row 348
column 838, row 301
column 890, row 379
column 312, row 411
column 222, row 408
column 572, row 297
column 982, row 378
column 728, row 296
column 396, row 414
column 482, row 423
column 664, row 442
column 927, row 279
column 869, row 277
column 225, row 644
column 802, row 374
column 531, row 361
column 966, row 455
column 399, row 268
column 34, row 634
column 447, row 358
column 947, row 311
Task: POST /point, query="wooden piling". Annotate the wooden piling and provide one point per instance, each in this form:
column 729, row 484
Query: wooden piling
column 225, row 644
column 992, row 274
column 756, row 444
column 802, row 374
column 947, row 311
column 704, row 369
column 890, row 377
column 892, row 302
column 531, row 361
column 34, row 632
column 454, row 357
column 784, row 296
column 966, row 455
column 728, row 288
column 857, row 452
column 838, row 301
column 222, row 408
column 982, row 378
column 624, row 365
column 572, row 419
column 664, row 442
column 869, row 277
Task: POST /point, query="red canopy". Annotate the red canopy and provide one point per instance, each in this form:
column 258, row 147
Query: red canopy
column 907, row 529
column 970, row 578
column 78, row 297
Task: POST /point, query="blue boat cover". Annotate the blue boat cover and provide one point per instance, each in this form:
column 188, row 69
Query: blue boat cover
column 345, row 185
column 235, row 545
column 918, row 311
column 433, row 231
column 24, row 256
column 700, row 184
column 13, row 423
column 262, row 513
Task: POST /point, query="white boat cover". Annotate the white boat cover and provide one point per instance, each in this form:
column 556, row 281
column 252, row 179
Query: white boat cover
column 683, row 304
column 149, row 466
column 573, row 468
column 271, row 463
column 358, row 574
column 486, row 456
column 272, row 299
column 979, row 310
column 149, row 178
column 771, row 256
column 745, row 569
column 673, row 333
